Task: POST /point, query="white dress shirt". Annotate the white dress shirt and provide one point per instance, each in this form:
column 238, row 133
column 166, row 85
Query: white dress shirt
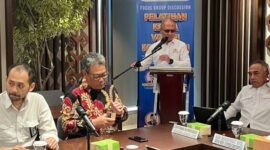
column 254, row 105
column 16, row 125
column 175, row 49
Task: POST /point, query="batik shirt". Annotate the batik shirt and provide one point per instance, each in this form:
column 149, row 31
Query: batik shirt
column 95, row 103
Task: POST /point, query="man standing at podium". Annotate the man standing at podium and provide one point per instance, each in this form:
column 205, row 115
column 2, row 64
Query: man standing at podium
column 173, row 53
column 253, row 101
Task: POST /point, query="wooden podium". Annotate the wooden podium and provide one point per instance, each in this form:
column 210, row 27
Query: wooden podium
column 171, row 91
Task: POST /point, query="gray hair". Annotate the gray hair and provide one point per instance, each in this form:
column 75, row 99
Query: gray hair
column 262, row 63
column 91, row 59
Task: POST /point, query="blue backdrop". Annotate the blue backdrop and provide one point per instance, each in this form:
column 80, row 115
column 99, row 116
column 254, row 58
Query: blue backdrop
column 149, row 16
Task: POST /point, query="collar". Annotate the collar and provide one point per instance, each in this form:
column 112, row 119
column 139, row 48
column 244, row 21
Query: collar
column 7, row 100
column 8, row 103
column 171, row 42
column 266, row 84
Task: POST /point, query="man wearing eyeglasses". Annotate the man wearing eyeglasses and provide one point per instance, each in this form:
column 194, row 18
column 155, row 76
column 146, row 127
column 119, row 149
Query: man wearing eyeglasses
column 173, row 53
column 96, row 97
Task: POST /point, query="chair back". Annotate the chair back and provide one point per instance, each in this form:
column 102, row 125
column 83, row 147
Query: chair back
column 53, row 97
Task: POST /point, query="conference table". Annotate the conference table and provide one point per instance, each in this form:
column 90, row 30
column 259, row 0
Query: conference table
column 158, row 136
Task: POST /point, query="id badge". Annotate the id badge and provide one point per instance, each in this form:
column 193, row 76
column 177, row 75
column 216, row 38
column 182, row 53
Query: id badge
column 33, row 131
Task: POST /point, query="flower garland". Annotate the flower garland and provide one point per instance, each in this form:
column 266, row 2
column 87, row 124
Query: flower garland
column 109, row 97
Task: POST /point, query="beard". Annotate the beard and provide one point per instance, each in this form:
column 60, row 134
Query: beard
column 15, row 97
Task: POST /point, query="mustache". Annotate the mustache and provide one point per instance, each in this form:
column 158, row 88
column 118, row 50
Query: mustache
column 14, row 95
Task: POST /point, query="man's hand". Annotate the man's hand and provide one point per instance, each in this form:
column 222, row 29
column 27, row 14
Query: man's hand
column 52, row 143
column 164, row 57
column 18, row 147
column 136, row 64
column 103, row 121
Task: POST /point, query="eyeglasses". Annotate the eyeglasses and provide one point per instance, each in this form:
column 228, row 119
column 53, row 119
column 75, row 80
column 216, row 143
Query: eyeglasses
column 97, row 77
column 172, row 31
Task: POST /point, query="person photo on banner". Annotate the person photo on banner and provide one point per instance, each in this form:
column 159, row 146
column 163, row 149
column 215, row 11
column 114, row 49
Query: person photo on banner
column 173, row 53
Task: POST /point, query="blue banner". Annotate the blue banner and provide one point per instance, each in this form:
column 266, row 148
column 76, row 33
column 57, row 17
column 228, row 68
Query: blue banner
column 149, row 16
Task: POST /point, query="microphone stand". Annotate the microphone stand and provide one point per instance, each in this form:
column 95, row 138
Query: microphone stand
column 219, row 121
column 88, row 129
column 138, row 63
column 88, row 138
column 88, row 133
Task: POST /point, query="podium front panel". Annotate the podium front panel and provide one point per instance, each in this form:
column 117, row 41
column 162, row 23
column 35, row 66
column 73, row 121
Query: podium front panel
column 171, row 96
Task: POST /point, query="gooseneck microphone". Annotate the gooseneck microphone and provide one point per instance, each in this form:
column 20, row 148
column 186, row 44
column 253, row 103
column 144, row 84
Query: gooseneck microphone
column 138, row 63
column 158, row 46
column 221, row 108
column 80, row 110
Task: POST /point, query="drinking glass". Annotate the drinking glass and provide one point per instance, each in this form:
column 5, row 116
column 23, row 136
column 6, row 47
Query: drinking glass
column 183, row 117
column 237, row 128
column 39, row 145
column 111, row 129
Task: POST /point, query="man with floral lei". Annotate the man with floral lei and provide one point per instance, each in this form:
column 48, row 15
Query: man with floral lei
column 95, row 96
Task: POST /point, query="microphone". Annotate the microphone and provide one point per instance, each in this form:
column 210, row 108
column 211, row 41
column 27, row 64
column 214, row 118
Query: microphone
column 80, row 110
column 221, row 108
column 157, row 47
column 162, row 41
column 73, row 98
column 138, row 63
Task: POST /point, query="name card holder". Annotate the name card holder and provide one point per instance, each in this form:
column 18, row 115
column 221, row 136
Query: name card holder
column 229, row 142
column 185, row 131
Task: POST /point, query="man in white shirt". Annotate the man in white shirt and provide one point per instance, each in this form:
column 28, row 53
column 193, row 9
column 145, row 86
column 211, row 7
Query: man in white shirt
column 173, row 53
column 253, row 101
column 24, row 114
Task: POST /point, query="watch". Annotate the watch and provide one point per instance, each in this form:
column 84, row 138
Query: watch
column 171, row 61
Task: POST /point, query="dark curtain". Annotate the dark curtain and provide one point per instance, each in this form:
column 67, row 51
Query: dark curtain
column 232, row 37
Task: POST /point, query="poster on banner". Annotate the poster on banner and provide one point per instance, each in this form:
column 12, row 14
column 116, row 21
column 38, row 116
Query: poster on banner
column 150, row 13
